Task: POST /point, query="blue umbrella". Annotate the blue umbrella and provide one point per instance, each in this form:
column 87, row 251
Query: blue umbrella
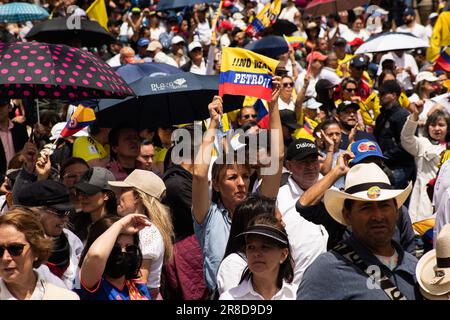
column 134, row 71
column 165, row 100
column 174, row 4
column 21, row 12
column 270, row 46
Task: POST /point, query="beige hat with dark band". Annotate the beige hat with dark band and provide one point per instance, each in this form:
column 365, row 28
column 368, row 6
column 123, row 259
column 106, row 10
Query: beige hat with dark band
column 143, row 180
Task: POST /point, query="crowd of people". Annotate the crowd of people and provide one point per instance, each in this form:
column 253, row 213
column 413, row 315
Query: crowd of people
column 356, row 208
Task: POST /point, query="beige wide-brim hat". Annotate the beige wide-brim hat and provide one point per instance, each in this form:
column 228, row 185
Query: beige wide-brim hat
column 363, row 182
column 144, row 180
column 433, row 269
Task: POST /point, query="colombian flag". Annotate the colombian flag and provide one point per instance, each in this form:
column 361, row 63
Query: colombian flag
column 82, row 117
column 246, row 73
column 294, row 42
column 443, row 60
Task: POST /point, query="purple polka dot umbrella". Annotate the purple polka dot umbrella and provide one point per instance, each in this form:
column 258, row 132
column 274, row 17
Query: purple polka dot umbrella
column 41, row 70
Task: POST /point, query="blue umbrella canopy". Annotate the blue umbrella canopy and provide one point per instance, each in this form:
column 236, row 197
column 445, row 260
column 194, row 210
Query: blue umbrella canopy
column 174, row 4
column 134, row 71
column 270, row 46
column 165, row 100
column 21, row 12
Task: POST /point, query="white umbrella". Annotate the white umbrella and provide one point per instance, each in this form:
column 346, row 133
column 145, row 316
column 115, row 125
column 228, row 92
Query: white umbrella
column 392, row 41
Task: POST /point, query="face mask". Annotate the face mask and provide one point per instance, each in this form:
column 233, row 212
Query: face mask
column 121, row 264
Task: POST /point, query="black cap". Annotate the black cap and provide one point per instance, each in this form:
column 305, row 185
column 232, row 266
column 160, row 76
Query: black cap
column 267, row 231
column 359, row 61
column 95, row 180
column 340, row 42
column 300, row 149
column 390, row 86
column 324, row 84
column 289, row 119
column 46, row 193
column 409, row 12
column 346, row 105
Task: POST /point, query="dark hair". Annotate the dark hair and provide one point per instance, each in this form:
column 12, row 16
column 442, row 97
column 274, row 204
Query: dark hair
column 433, row 118
column 71, row 161
column 94, row 128
column 111, row 203
column 249, row 208
column 348, row 80
column 113, row 137
column 49, row 118
column 327, row 123
column 97, row 229
column 286, row 271
column 383, row 75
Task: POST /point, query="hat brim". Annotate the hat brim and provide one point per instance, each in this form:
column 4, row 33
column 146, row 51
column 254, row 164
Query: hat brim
column 87, row 188
column 62, row 206
column 357, row 160
column 334, row 200
column 119, row 184
column 425, row 273
column 264, row 234
column 303, row 155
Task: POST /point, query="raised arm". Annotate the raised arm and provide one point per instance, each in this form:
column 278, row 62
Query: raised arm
column 407, row 137
column 95, row 260
column 270, row 179
column 200, row 195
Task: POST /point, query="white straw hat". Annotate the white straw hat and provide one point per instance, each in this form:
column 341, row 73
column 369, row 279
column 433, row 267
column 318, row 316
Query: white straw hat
column 363, row 182
column 433, row 269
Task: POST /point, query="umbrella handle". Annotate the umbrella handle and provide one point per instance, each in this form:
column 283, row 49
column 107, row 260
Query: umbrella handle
column 37, row 108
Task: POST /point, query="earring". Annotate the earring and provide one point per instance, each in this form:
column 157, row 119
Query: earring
column 281, row 262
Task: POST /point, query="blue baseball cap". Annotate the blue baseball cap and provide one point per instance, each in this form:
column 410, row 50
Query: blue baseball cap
column 143, row 42
column 365, row 148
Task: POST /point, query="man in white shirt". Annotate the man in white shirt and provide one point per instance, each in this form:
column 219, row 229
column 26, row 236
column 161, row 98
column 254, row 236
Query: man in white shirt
column 307, row 240
column 155, row 50
column 406, row 68
column 197, row 64
column 289, row 12
column 411, row 26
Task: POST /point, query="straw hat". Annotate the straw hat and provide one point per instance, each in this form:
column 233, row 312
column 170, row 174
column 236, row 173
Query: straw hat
column 433, row 269
column 364, row 182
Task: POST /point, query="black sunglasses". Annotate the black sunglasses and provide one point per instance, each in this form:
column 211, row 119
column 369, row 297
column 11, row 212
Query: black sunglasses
column 288, row 84
column 248, row 116
column 14, row 249
column 350, row 90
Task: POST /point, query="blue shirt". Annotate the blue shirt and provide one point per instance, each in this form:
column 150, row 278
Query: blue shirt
column 105, row 290
column 213, row 236
column 333, row 277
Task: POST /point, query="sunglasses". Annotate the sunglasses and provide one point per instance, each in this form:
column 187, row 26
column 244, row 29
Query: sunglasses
column 131, row 248
column 73, row 176
column 14, row 249
column 248, row 116
column 350, row 90
column 59, row 213
column 288, row 84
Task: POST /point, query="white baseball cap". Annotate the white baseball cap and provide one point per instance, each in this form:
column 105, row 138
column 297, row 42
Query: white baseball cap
column 312, row 103
column 193, row 45
column 427, row 76
column 57, row 128
column 177, row 39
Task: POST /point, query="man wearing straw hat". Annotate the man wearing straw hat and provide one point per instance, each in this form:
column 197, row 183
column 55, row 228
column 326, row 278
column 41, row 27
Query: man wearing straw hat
column 433, row 269
column 368, row 265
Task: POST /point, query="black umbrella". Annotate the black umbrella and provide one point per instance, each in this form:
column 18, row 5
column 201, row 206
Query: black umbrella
column 64, row 31
column 174, row 4
column 283, row 27
column 165, row 100
column 270, row 46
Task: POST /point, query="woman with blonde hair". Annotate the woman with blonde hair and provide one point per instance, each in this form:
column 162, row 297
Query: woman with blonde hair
column 23, row 247
column 142, row 192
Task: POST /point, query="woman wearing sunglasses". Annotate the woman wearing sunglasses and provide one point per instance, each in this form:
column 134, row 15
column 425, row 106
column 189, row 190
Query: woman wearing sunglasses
column 285, row 100
column 24, row 246
column 111, row 260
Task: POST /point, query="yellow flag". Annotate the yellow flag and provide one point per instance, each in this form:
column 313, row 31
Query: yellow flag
column 97, row 11
column 214, row 24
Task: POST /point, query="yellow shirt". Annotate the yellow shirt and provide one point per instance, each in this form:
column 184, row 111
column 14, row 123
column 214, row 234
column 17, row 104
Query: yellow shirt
column 440, row 36
column 87, row 148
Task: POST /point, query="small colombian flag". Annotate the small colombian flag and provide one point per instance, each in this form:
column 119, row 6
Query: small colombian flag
column 443, row 60
column 82, row 117
column 246, row 73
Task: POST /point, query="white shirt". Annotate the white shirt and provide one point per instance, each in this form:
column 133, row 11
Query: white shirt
column 342, row 30
column 152, row 246
column 283, row 105
column 201, row 70
column 230, row 272
column 350, row 35
column 311, row 90
column 203, row 33
column 288, row 13
column 38, row 293
column 307, row 239
column 76, row 248
column 245, row 291
column 418, row 30
column 441, row 199
column 404, row 61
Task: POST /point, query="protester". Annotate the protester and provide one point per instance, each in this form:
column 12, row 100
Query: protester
column 369, row 206
column 23, row 247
